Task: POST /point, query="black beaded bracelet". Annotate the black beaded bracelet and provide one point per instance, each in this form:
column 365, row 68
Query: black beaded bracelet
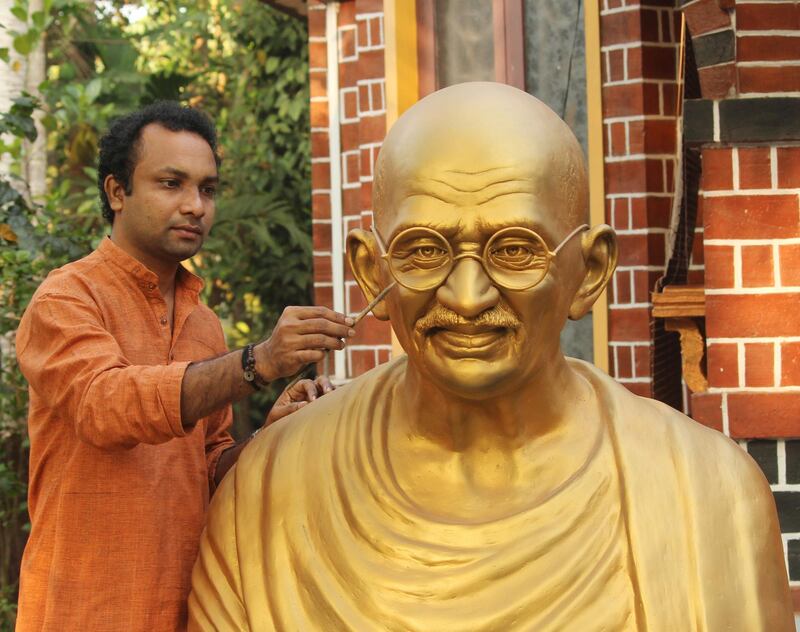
column 249, row 367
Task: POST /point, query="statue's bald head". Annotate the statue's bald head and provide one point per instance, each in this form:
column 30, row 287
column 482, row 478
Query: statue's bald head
column 483, row 131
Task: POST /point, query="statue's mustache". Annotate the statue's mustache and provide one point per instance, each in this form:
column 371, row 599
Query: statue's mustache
column 439, row 316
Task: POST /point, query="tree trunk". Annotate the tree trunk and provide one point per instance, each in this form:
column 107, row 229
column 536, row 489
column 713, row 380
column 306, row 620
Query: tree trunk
column 23, row 74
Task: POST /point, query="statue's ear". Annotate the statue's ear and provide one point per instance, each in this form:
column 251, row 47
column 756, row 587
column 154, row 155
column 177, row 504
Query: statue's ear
column 599, row 248
column 364, row 259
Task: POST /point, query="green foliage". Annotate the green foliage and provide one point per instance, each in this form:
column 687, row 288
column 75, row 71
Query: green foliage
column 246, row 66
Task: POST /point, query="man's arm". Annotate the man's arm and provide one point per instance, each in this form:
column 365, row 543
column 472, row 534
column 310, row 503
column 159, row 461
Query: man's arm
column 301, row 336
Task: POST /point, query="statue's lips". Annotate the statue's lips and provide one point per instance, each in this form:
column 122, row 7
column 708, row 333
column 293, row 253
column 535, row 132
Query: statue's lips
column 468, row 341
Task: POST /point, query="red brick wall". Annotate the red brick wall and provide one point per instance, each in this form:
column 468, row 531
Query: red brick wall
column 362, row 126
column 638, row 48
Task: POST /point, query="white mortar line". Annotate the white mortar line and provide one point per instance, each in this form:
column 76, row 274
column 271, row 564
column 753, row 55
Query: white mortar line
column 740, row 363
column 726, row 427
column 737, row 267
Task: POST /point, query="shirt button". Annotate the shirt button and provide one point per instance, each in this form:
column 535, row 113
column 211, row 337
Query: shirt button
column 163, row 320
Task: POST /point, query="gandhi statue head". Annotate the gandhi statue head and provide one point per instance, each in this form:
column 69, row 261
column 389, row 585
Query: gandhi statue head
column 481, row 211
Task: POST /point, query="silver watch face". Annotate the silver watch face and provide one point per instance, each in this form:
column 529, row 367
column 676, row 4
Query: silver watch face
column 249, row 375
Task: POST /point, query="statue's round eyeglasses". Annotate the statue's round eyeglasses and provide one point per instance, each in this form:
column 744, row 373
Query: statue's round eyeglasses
column 515, row 258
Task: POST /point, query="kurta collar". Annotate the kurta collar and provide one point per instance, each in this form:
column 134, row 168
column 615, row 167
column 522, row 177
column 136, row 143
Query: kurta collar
column 145, row 278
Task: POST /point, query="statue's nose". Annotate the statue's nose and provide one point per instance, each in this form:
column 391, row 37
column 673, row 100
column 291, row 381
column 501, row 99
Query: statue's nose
column 468, row 290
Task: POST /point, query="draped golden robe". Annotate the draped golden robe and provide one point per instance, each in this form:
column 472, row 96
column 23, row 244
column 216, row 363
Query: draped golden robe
column 668, row 526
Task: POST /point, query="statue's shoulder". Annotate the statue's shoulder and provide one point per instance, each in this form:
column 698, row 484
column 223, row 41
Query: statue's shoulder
column 656, row 430
column 311, row 433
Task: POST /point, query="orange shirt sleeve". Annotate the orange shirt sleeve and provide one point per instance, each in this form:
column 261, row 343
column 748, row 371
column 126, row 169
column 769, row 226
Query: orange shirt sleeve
column 218, row 439
column 75, row 365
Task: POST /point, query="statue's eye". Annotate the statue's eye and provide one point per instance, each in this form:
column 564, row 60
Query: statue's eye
column 517, row 255
column 429, row 252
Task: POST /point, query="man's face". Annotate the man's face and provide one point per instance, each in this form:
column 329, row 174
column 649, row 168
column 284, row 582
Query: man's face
column 170, row 209
column 472, row 336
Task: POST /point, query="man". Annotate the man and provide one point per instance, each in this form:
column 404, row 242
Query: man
column 486, row 482
column 128, row 427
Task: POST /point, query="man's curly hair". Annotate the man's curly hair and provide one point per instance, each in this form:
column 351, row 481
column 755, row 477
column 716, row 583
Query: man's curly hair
column 119, row 146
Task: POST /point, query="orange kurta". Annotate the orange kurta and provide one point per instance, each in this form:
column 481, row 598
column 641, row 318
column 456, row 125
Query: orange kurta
column 118, row 489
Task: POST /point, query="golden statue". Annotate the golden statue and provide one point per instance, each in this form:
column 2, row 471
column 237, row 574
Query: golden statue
column 484, row 481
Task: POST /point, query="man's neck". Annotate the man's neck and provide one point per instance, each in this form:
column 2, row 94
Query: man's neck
column 165, row 271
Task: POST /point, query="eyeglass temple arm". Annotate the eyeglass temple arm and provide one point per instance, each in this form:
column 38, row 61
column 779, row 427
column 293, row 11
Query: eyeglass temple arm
column 580, row 228
column 378, row 239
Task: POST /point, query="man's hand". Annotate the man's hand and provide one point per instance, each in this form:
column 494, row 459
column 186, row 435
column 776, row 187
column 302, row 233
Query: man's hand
column 301, row 336
column 297, row 396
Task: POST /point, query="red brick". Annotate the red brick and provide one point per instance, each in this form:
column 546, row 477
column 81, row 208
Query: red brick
column 723, row 365
column 768, row 48
column 718, row 82
column 754, row 168
column 371, row 64
column 317, row 55
column 633, row 59
column 761, row 80
column 658, row 62
column 642, row 361
column 641, row 250
column 705, row 16
column 669, row 92
column 642, row 286
column 719, row 266
column 322, row 268
column 717, row 170
column 361, row 361
column 372, row 129
column 788, row 167
column 642, row 389
column 351, row 201
column 616, row 65
column 649, row 25
column 707, row 409
column 372, row 331
column 659, row 137
column 318, row 82
column 620, row 216
column 316, row 23
column 628, row 176
column 384, row 355
column 659, row 212
column 764, row 415
column 767, row 16
column 622, row 287
column 789, row 258
column 349, row 136
column 624, row 100
column 619, row 28
column 617, row 147
column 356, row 301
column 759, row 364
column 320, row 175
column 319, row 114
column 321, row 236
column 697, row 258
column 751, row 217
column 757, row 266
column 323, row 296
column 350, row 105
column 320, row 206
column 629, row 325
column 790, row 363
column 319, row 145
column 752, row 315
column 624, row 362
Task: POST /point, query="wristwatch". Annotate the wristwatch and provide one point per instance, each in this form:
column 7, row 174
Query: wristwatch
column 251, row 376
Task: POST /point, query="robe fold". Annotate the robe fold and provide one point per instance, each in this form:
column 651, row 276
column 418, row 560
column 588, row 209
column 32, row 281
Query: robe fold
column 669, row 526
